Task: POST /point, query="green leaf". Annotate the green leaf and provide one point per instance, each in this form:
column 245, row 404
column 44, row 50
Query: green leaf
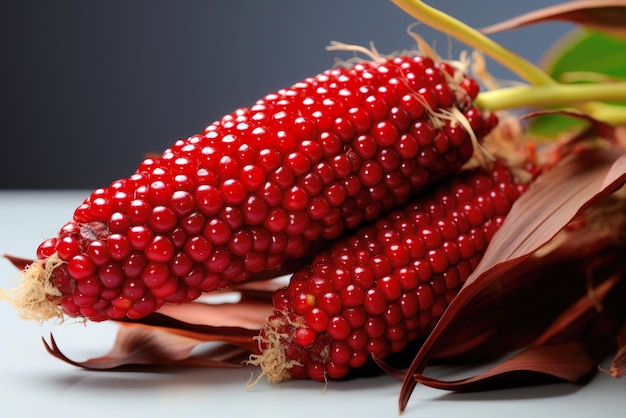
column 581, row 57
column 551, row 125
column 588, row 52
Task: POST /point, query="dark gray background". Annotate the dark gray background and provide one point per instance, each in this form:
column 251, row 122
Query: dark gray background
column 89, row 86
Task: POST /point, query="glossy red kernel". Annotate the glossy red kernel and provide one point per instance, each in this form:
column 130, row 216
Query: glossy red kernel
column 340, row 352
column 134, row 264
column 198, row 248
column 217, row 231
column 67, row 247
column 140, row 236
column 155, row 274
column 338, row 328
column 304, row 336
column 330, row 302
column 209, row 199
column 98, row 252
column 167, row 289
column 160, row 250
column 295, row 199
column 384, row 133
column 233, row 191
column 80, row 267
column 47, row 248
column 182, row 203
column 374, row 302
column 119, row 246
column 390, row 287
column 316, row 319
column 111, row 275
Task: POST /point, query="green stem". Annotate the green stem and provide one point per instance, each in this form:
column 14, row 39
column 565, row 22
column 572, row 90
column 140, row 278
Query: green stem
column 584, row 97
column 551, row 95
column 472, row 37
column 606, row 112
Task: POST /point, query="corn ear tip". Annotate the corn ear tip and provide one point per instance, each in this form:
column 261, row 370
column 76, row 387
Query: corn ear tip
column 35, row 298
column 273, row 361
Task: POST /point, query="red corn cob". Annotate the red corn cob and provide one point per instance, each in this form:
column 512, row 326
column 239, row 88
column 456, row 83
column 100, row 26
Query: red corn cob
column 257, row 187
column 376, row 291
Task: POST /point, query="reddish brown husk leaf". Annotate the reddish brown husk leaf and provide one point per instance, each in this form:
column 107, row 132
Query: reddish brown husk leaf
column 140, row 346
column 558, row 196
column 20, row 263
column 482, row 330
column 167, row 338
column 568, row 350
column 603, row 15
column 566, row 361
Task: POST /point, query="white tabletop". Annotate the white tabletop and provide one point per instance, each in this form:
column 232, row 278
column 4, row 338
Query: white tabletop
column 34, row 384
